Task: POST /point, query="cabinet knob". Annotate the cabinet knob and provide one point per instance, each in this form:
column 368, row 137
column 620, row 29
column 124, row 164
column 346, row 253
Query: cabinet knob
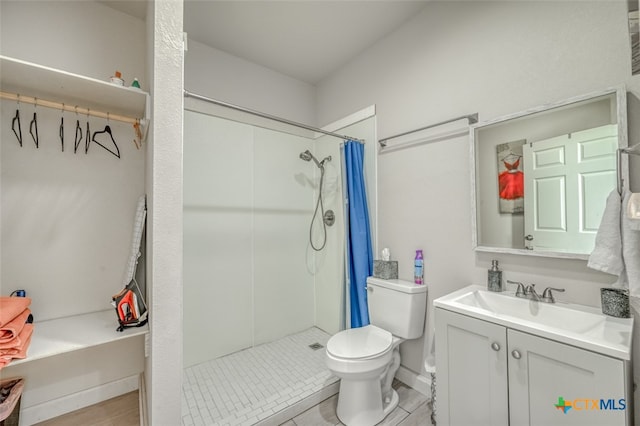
column 495, row 346
column 516, row 354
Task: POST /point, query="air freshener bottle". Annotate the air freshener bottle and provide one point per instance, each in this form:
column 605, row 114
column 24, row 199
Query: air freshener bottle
column 418, row 265
column 494, row 277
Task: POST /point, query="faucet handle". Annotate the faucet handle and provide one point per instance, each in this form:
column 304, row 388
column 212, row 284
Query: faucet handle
column 547, row 295
column 520, row 292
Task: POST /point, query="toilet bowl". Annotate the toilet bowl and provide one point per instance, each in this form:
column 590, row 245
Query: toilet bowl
column 365, row 359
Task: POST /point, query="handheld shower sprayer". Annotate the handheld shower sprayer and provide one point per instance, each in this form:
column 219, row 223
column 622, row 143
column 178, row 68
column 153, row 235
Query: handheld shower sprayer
column 328, row 217
column 308, row 156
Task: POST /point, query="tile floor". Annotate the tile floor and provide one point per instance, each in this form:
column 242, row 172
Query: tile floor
column 251, row 385
column 413, row 409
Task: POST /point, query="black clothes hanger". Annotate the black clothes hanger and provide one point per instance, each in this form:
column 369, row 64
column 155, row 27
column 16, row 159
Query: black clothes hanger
column 87, row 141
column 78, row 138
column 13, row 126
column 61, row 131
column 34, row 123
column 107, row 130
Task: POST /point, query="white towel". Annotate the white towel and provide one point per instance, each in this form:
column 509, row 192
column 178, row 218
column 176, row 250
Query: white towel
column 617, row 246
column 633, row 211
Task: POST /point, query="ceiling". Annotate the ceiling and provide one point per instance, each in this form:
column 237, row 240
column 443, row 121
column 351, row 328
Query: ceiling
column 304, row 39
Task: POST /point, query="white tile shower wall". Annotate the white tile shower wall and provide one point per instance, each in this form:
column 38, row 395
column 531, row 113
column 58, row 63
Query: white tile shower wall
column 251, row 385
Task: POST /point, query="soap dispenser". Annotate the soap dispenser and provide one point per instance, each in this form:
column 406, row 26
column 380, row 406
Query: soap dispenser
column 494, row 277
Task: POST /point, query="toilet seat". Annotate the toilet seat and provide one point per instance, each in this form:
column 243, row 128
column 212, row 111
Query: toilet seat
column 360, row 343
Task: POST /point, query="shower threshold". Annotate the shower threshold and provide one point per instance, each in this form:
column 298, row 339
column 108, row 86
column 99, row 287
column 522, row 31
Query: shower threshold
column 263, row 385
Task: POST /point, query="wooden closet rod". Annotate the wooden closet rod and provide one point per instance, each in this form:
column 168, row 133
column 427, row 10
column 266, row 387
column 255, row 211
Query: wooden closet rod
column 66, row 107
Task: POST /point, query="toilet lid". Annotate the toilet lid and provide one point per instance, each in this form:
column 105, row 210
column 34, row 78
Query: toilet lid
column 363, row 342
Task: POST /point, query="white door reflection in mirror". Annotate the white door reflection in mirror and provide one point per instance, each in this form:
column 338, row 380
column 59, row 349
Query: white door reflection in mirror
column 577, row 195
column 567, row 180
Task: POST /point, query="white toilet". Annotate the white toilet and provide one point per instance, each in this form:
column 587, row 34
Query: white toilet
column 367, row 358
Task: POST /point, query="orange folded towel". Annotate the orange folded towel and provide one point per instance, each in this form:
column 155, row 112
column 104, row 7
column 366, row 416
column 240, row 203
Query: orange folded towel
column 12, row 329
column 18, row 344
column 20, row 350
column 11, row 307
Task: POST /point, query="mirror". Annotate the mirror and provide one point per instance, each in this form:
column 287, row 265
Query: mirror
column 540, row 177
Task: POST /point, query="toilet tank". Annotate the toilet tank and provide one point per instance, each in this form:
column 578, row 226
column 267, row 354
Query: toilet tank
column 397, row 306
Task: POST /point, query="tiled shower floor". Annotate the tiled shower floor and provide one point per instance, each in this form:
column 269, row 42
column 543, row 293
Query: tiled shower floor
column 246, row 387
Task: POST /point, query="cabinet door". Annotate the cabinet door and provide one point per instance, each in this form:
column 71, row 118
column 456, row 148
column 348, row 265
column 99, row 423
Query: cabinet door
column 544, row 374
column 471, row 375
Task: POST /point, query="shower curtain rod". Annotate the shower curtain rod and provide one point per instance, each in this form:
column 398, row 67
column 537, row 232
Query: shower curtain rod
column 188, row 94
column 473, row 118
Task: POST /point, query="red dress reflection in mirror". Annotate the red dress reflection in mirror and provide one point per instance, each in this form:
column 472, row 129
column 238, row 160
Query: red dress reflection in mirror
column 511, row 181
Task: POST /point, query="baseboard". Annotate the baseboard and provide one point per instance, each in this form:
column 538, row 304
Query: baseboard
column 68, row 403
column 418, row 382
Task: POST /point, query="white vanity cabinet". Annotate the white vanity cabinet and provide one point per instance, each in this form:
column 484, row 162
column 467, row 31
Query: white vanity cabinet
column 471, row 371
column 490, row 374
column 542, row 370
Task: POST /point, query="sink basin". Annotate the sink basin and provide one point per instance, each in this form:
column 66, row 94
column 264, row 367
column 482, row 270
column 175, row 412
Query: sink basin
column 582, row 326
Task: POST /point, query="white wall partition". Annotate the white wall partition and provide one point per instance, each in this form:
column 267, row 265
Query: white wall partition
column 248, row 200
column 218, row 225
column 283, row 200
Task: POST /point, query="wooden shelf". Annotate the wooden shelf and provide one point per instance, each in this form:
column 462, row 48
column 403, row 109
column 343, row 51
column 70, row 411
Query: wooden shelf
column 62, row 335
column 25, row 78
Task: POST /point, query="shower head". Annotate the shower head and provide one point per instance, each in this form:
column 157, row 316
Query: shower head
column 308, row 156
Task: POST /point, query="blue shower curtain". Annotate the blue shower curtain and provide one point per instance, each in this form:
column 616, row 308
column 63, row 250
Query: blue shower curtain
column 359, row 234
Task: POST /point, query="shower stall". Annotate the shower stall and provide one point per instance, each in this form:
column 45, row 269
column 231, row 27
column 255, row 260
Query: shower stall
column 264, row 284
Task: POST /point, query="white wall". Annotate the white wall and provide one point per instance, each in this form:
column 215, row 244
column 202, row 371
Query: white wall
column 247, row 206
column 493, row 58
column 214, row 73
column 67, row 218
column 163, row 372
column 85, row 38
column 74, row 211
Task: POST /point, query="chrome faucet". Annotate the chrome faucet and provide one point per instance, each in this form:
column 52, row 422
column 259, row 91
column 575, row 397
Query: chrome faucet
column 547, row 295
column 531, row 293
